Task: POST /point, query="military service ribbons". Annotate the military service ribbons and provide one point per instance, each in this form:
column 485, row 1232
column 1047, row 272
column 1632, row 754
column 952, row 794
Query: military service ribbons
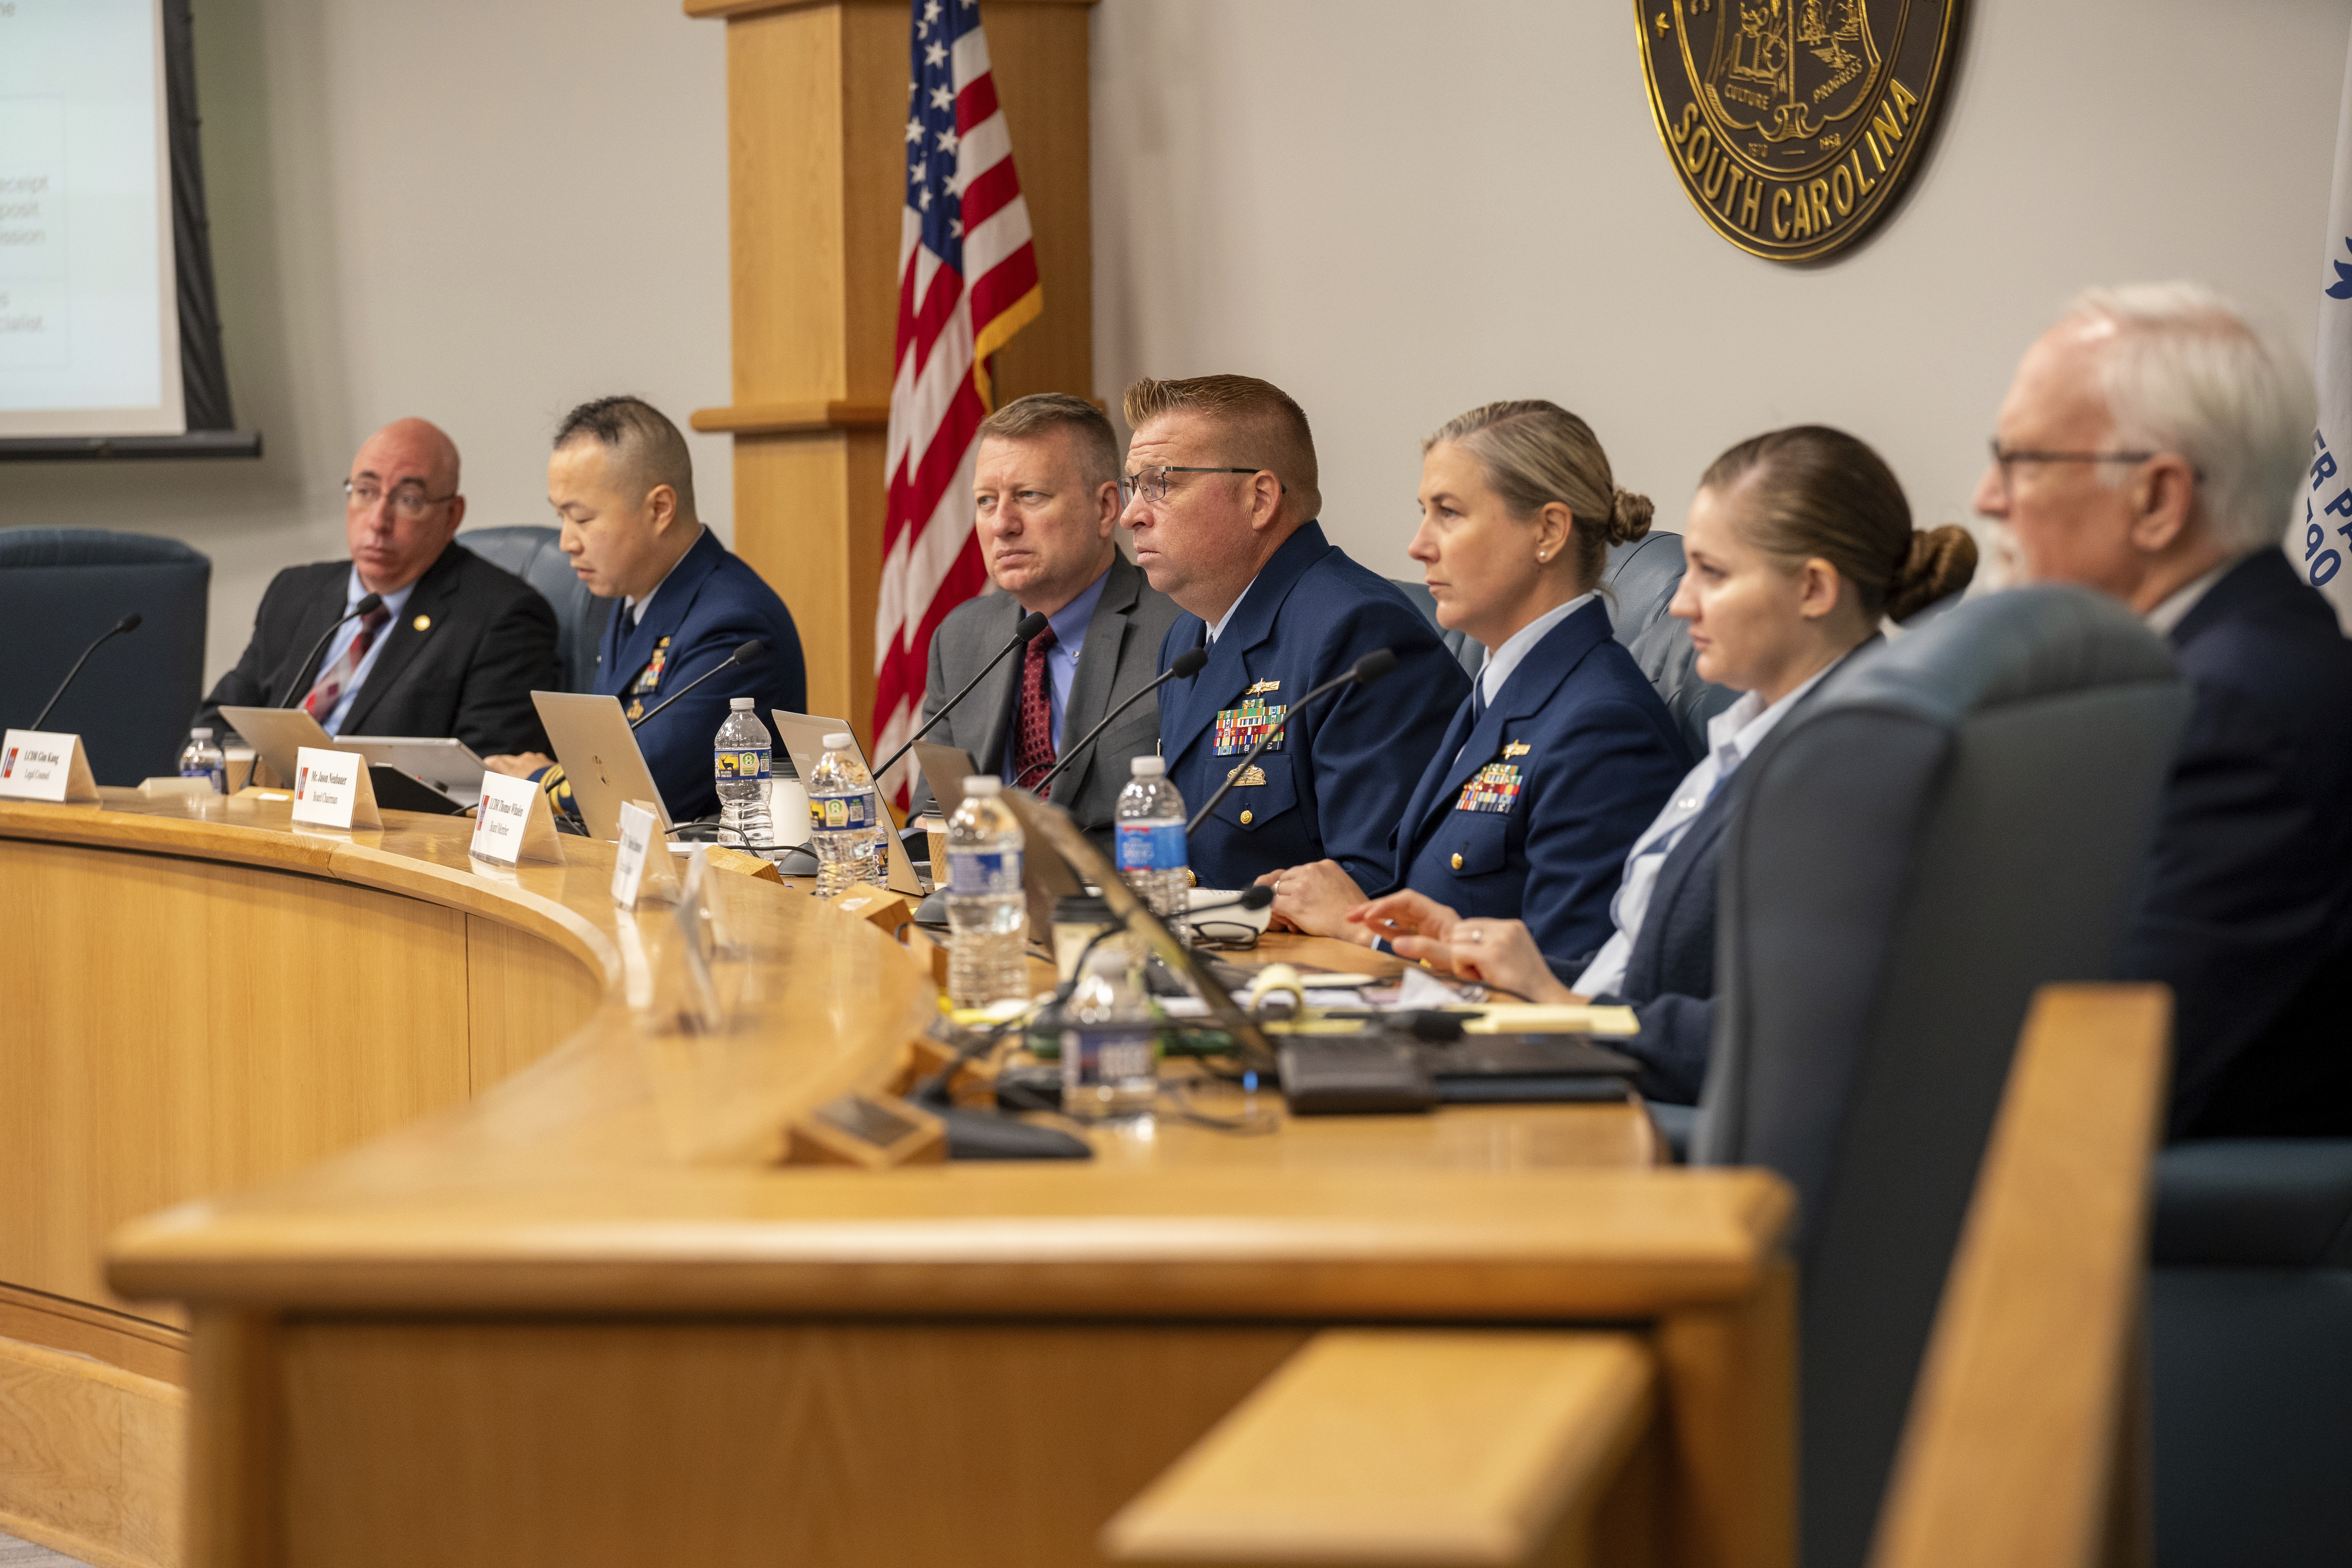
column 1495, row 787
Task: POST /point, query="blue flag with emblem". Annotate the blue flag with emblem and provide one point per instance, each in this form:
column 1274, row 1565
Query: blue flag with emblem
column 2319, row 537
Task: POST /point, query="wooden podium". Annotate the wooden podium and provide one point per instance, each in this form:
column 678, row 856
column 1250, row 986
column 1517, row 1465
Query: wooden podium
column 817, row 104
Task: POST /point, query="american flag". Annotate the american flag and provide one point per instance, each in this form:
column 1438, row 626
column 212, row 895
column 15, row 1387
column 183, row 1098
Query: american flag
column 967, row 282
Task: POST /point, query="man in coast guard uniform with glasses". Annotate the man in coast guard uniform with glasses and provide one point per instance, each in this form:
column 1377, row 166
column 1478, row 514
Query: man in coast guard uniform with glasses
column 1222, row 498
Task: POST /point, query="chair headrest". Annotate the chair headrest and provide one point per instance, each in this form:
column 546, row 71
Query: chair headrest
column 2046, row 639
column 36, row 547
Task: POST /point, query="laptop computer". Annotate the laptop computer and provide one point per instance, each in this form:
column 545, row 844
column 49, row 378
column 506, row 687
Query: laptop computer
column 802, row 735
column 276, row 734
column 448, row 765
column 600, row 756
column 1044, row 878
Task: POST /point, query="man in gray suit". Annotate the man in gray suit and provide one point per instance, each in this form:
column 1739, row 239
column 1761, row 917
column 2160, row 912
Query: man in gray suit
column 1046, row 488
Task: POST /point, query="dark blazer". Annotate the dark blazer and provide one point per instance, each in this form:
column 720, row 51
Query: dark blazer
column 1337, row 780
column 2248, row 910
column 487, row 640
column 1120, row 656
column 1670, row 975
column 1532, row 818
column 708, row 605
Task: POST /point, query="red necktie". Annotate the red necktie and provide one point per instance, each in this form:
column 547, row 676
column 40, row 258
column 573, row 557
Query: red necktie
column 328, row 690
column 1033, row 735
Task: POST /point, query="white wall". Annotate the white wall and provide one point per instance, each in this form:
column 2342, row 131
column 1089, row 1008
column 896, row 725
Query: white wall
column 1398, row 211
column 481, row 213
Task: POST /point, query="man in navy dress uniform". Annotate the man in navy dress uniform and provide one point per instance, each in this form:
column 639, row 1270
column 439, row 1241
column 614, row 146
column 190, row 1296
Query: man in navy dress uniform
column 622, row 483
column 1221, row 498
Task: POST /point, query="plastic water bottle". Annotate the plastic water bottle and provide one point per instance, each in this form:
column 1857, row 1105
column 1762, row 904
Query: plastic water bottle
column 200, row 759
column 987, row 916
column 741, row 759
column 844, row 818
column 1109, row 1066
column 1151, row 834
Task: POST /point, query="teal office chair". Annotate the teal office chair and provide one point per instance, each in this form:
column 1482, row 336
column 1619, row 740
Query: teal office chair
column 531, row 554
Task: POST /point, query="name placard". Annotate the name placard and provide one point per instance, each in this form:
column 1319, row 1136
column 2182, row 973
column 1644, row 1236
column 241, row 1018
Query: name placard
column 46, row 764
column 513, row 824
column 641, row 872
column 331, row 789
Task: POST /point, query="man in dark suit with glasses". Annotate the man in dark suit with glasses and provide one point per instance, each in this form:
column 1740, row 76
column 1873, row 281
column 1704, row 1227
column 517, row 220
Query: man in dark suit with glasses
column 456, row 645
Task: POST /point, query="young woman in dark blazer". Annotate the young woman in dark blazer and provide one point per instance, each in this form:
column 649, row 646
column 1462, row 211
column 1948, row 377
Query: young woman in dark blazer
column 1800, row 544
column 1562, row 750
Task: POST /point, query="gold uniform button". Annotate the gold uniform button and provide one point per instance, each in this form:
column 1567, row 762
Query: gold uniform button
column 1248, row 819
column 1458, row 862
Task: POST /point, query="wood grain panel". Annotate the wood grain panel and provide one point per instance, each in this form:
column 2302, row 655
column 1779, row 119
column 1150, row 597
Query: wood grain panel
column 134, row 1344
column 230, row 1026
column 522, row 999
column 1419, row 1446
column 90, row 1458
column 808, row 517
column 2009, row 1454
column 583, row 1446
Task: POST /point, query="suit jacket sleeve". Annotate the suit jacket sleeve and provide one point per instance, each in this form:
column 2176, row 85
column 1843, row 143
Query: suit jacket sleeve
column 2237, row 914
column 515, row 657
column 246, row 684
column 1676, row 1039
column 1612, row 771
column 1370, row 751
column 935, row 696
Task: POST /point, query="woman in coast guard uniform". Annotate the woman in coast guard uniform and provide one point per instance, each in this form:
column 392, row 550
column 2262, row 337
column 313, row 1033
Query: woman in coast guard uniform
column 1800, row 544
column 1562, row 751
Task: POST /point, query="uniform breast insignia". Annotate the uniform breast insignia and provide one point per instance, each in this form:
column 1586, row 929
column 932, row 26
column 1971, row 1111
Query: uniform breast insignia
column 648, row 681
column 1239, row 728
column 1250, row 780
column 1516, row 749
column 1495, row 787
column 1262, row 688
column 1793, row 123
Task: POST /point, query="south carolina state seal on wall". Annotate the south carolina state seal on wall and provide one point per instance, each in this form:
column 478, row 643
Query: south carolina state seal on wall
column 1793, row 123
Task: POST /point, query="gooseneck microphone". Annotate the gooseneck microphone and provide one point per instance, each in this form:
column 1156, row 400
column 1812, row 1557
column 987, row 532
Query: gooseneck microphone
column 373, row 602
column 1363, row 672
column 129, row 623
column 1031, row 624
column 745, row 653
column 1188, row 664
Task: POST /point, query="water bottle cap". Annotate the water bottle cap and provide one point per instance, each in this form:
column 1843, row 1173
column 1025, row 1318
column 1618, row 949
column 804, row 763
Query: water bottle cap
column 840, row 742
column 984, row 784
column 741, row 704
column 200, row 734
column 1148, row 768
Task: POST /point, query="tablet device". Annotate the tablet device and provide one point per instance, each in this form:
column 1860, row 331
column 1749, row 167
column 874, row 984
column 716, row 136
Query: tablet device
column 276, row 734
column 448, row 765
column 600, row 756
column 802, row 735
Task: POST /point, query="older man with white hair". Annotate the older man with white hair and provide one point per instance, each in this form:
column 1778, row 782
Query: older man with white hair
column 2152, row 445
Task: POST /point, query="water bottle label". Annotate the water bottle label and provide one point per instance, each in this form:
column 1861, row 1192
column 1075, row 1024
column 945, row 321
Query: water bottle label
column 1152, row 846
column 219, row 777
column 841, row 813
column 735, row 764
column 977, row 873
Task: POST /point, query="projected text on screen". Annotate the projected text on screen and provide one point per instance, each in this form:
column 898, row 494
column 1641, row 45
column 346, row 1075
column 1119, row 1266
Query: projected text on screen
column 89, row 335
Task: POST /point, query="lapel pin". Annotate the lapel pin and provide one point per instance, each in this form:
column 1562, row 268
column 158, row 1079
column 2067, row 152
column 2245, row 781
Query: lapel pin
column 423, row 623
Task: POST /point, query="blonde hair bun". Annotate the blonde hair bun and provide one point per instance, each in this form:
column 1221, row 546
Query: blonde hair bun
column 1629, row 516
column 1942, row 562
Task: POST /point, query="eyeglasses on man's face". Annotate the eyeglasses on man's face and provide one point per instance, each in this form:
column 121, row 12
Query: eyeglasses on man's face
column 2006, row 459
column 1151, row 484
column 408, row 501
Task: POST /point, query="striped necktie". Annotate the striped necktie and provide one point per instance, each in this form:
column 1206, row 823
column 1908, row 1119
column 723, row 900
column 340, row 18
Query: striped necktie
column 333, row 680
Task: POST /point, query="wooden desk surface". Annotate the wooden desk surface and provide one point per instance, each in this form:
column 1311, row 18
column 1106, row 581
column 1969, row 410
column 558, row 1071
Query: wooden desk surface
column 628, row 1175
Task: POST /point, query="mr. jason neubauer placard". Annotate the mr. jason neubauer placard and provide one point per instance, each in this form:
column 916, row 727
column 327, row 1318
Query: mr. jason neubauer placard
column 1793, row 123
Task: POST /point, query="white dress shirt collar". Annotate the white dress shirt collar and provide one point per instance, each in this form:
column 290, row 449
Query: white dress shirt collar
column 2177, row 605
column 1227, row 618
column 1502, row 661
column 636, row 609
